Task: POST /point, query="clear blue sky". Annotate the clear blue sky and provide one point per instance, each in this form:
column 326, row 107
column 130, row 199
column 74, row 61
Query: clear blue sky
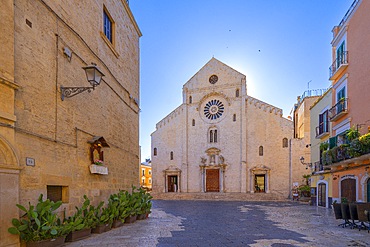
column 280, row 45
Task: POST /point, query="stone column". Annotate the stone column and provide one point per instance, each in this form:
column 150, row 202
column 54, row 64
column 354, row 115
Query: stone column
column 202, row 174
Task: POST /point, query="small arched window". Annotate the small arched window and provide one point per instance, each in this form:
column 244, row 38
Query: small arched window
column 285, row 142
column 171, row 155
column 193, row 122
column 260, row 150
column 234, row 117
column 155, row 151
column 190, row 99
column 213, row 135
column 237, row 93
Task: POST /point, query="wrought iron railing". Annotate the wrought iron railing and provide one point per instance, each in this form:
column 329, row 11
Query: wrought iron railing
column 322, row 128
column 318, row 166
column 349, row 12
column 342, row 59
column 338, row 108
column 313, row 92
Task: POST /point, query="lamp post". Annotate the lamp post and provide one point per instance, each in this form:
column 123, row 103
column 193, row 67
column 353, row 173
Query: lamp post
column 93, row 75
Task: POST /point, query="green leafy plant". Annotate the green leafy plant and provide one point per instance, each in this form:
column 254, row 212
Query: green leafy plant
column 38, row 223
column 143, row 197
column 83, row 218
column 324, row 158
column 118, row 205
column 304, row 190
column 352, row 134
column 324, row 146
column 355, row 149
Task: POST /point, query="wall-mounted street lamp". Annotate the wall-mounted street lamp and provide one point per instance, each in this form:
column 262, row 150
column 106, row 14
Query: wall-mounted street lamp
column 94, row 76
column 303, row 163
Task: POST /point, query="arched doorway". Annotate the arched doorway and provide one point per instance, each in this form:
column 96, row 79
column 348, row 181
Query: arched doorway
column 9, row 190
column 348, row 189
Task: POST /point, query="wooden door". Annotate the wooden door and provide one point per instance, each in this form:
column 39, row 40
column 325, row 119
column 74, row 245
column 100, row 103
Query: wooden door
column 172, row 184
column 348, row 189
column 321, row 195
column 368, row 190
column 212, row 180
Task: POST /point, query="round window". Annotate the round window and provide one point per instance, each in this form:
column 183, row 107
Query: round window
column 214, row 109
column 213, row 79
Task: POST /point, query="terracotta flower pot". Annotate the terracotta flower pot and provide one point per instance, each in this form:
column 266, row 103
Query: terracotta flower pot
column 55, row 242
column 77, row 235
column 99, row 229
column 141, row 217
column 130, row 219
column 117, row 223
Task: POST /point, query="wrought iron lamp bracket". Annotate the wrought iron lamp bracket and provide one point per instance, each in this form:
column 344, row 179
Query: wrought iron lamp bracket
column 305, row 164
column 69, row 92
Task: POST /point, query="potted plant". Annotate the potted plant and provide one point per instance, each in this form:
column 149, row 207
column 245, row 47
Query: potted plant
column 304, row 190
column 103, row 219
column 133, row 205
column 79, row 225
column 118, row 206
column 145, row 204
column 39, row 225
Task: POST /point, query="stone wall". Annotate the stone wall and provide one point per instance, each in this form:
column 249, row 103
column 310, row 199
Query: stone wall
column 55, row 133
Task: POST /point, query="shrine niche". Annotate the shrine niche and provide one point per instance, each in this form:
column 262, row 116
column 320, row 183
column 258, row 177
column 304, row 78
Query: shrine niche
column 97, row 155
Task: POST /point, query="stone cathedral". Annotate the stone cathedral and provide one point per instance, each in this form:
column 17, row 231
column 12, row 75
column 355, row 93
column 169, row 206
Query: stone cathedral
column 221, row 140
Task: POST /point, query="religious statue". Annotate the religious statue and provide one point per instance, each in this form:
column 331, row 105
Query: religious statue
column 221, row 158
column 96, row 154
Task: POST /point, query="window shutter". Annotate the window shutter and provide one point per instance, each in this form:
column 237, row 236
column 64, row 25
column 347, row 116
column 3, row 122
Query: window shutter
column 332, row 142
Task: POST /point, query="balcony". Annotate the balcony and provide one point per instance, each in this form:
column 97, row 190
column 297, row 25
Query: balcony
column 356, row 152
column 318, row 167
column 338, row 110
column 339, row 65
column 322, row 130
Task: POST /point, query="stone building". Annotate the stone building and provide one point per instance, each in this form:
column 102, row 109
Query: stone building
column 49, row 144
column 222, row 140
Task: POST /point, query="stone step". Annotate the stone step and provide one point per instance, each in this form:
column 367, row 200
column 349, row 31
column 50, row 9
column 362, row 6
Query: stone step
column 219, row 196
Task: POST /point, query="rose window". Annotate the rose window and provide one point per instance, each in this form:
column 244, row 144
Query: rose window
column 214, row 109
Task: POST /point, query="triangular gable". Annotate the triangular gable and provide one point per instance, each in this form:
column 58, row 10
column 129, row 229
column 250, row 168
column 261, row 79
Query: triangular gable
column 213, row 66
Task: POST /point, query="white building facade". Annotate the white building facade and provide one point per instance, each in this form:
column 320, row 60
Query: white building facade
column 222, row 140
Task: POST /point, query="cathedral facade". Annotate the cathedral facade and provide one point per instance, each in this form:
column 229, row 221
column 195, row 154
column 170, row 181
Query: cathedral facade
column 222, row 140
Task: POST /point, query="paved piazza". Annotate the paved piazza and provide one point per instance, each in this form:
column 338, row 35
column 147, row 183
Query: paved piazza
column 225, row 223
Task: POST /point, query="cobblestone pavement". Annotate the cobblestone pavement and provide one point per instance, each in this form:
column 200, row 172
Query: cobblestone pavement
column 225, row 223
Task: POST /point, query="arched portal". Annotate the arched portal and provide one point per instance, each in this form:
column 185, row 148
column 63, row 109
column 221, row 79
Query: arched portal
column 9, row 189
